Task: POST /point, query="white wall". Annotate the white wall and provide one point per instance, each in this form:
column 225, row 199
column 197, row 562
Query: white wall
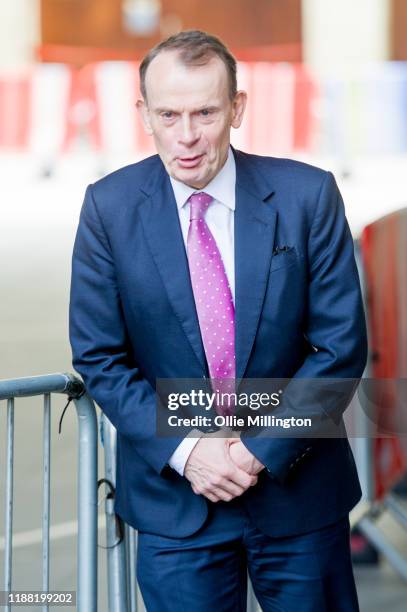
column 19, row 32
column 337, row 33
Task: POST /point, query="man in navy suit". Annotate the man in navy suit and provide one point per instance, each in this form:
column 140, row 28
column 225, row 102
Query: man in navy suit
column 209, row 508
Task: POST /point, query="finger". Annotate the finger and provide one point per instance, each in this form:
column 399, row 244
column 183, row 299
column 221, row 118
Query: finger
column 240, row 477
column 213, row 498
column 233, row 480
column 219, row 487
column 222, row 494
column 206, row 493
column 228, row 488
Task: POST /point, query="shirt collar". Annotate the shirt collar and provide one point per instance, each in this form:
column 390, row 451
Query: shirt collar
column 221, row 187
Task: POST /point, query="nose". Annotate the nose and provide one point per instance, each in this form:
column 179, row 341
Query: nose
column 188, row 135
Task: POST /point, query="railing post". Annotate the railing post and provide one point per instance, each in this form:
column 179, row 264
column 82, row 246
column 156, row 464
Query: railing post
column 252, row 605
column 133, row 591
column 46, row 494
column 116, row 551
column 87, row 505
column 8, row 558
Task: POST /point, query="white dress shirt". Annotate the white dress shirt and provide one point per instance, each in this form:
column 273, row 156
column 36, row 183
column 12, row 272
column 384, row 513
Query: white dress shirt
column 220, row 220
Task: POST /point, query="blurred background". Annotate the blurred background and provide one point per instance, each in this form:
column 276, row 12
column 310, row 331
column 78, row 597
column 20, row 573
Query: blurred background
column 327, row 84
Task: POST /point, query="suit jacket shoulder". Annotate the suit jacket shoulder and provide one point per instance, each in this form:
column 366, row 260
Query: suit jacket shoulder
column 278, row 171
column 282, row 167
column 297, row 186
column 127, row 184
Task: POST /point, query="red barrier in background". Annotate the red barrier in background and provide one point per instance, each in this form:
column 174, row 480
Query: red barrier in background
column 384, row 251
column 97, row 106
column 82, row 113
column 15, row 98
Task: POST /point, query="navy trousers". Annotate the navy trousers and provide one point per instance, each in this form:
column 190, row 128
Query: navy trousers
column 311, row 572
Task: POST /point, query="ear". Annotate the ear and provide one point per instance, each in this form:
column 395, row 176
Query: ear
column 144, row 116
column 238, row 108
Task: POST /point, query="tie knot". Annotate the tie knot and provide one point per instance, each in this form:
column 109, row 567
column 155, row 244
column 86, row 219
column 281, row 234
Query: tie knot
column 199, row 203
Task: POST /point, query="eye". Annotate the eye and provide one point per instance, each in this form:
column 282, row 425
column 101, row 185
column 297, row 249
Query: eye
column 167, row 114
column 205, row 112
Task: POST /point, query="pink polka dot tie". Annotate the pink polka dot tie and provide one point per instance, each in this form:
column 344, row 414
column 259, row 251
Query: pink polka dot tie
column 213, row 299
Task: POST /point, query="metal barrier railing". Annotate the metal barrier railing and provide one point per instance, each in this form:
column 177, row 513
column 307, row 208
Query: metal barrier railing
column 86, row 600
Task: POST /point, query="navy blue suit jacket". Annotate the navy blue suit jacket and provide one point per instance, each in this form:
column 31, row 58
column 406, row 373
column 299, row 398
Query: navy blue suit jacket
column 133, row 320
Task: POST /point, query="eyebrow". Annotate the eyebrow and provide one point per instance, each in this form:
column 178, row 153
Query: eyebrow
column 163, row 110
column 171, row 110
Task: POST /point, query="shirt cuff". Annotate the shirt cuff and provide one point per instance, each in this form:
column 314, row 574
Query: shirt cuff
column 180, row 456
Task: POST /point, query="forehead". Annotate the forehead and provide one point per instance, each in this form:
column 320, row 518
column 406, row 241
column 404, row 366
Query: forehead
column 170, row 82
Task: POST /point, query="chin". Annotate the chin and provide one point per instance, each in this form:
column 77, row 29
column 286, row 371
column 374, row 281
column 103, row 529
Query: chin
column 196, row 179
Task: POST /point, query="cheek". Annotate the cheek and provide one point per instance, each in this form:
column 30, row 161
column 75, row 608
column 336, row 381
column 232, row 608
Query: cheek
column 219, row 135
column 164, row 141
column 214, row 139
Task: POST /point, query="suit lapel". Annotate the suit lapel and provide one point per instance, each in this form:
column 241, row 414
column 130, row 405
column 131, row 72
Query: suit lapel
column 162, row 229
column 255, row 225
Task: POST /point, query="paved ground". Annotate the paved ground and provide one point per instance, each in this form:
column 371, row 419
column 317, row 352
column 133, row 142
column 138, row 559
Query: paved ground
column 38, row 219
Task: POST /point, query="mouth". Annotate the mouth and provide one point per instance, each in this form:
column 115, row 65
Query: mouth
column 189, row 162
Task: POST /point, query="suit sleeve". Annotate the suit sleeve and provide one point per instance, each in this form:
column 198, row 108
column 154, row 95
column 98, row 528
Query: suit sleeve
column 100, row 343
column 335, row 327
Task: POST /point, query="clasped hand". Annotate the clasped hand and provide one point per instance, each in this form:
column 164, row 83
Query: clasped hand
column 221, row 468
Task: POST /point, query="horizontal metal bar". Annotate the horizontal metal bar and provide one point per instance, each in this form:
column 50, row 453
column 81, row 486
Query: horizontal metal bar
column 398, row 511
column 380, row 541
column 38, row 385
column 362, row 509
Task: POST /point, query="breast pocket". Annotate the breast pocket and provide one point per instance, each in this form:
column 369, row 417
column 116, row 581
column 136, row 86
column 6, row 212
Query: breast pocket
column 284, row 259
